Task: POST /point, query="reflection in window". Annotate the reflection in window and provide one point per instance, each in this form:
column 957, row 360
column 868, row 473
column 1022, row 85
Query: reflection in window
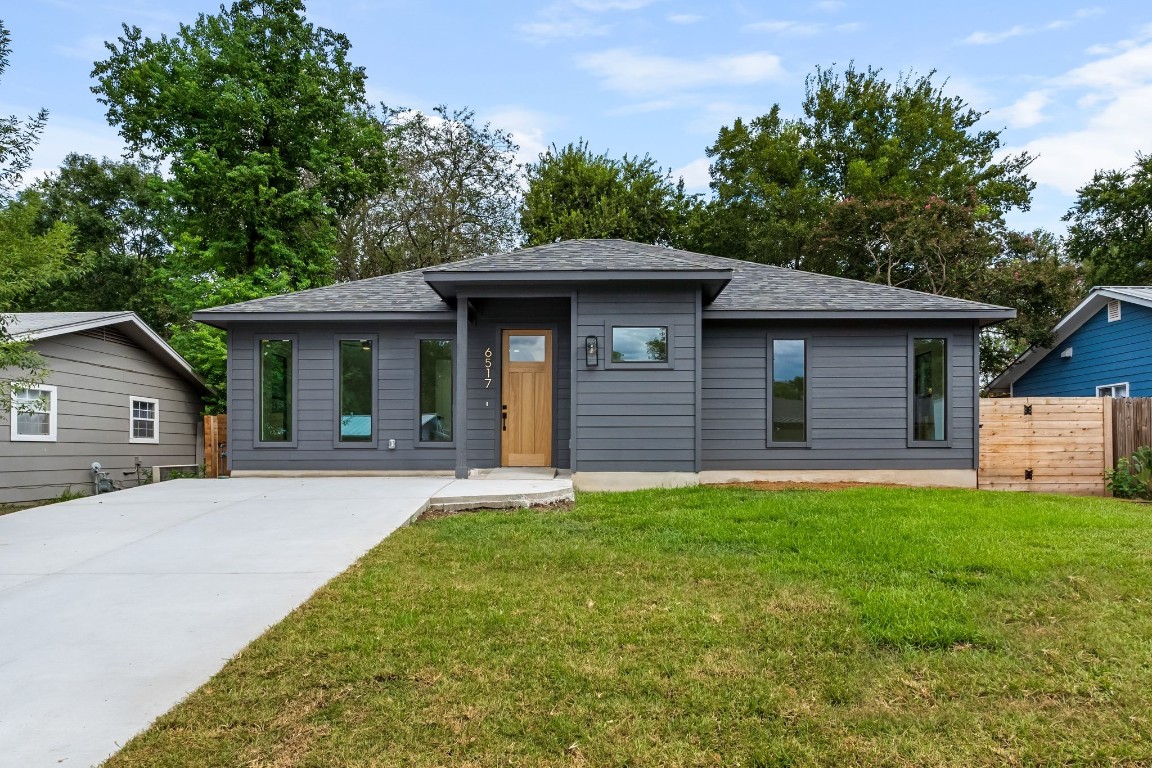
column 789, row 392
column 930, row 383
column 356, row 394
column 34, row 414
column 276, row 390
column 435, row 390
column 526, row 349
column 640, row 345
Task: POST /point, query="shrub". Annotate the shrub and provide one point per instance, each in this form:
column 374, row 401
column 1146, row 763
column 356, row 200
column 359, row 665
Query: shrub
column 1132, row 478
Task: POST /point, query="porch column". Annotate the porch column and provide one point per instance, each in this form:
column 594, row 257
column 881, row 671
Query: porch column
column 460, row 400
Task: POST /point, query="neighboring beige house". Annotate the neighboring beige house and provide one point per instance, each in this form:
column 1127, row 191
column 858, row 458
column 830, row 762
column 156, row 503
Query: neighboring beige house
column 117, row 394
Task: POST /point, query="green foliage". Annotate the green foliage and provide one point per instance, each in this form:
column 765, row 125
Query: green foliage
column 21, row 365
column 1111, row 230
column 573, row 193
column 456, row 196
column 864, row 153
column 1132, row 478
column 34, row 257
column 116, row 210
column 266, row 129
column 18, row 137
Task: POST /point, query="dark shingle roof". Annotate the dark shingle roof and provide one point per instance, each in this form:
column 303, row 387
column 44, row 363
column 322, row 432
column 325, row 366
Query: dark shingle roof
column 753, row 288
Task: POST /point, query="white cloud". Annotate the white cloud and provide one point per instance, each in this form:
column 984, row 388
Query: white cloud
column 599, row 6
column 635, row 73
column 829, row 6
column 684, row 18
column 562, row 28
column 574, row 19
column 64, row 135
column 1116, row 94
column 792, row 28
column 1026, row 112
column 695, row 175
column 529, row 129
column 991, row 38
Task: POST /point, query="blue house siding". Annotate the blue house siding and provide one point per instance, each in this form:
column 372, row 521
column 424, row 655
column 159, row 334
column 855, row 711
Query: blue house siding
column 1102, row 353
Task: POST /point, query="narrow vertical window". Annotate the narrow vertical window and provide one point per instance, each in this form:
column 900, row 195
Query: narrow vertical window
column 276, row 385
column 356, row 390
column 789, row 411
column 33, row 416
column 929, row 390
column 143, row 420
column 435, row 390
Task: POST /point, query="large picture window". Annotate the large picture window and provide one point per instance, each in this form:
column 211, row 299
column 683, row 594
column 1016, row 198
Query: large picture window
column 357, row 390
column 789, row 407
column 33, row 416
column 436, row 391
column 929, row 390
column 276, row 386
column 648, row 344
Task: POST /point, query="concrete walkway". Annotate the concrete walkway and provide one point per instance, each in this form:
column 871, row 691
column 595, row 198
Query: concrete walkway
column 113, row 608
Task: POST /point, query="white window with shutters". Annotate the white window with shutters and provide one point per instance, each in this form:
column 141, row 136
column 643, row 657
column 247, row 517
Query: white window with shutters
column 1113, row 311
column 144, row 420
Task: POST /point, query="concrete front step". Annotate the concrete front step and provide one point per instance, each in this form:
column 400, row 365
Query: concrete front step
column 501, row 493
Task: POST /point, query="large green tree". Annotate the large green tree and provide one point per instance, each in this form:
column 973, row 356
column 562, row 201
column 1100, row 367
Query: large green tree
column 1111, row 230
column 574, row 193
column 859, row 140
column 456, row 195
column 264, row 125
column 116, row 210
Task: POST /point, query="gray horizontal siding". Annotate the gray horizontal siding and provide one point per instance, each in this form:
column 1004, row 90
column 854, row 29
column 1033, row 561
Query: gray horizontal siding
column 396, row 371
column 637, row 419
column 858, row 386
column 95, row 379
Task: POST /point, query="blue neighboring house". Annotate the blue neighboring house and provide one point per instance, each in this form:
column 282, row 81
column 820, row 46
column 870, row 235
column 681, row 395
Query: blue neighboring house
column 1102, row 348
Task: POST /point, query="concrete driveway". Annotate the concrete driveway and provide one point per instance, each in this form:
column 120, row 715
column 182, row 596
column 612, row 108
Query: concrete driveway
column 113, row 608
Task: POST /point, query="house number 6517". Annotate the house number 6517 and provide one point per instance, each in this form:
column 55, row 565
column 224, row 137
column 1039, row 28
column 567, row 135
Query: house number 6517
column 488, row 368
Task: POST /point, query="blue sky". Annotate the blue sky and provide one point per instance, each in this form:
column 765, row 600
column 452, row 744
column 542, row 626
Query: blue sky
column 1069, row 81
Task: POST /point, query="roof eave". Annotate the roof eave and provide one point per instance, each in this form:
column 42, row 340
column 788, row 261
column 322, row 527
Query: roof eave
column 445, row 283
column 983, row 316
column 223, row 320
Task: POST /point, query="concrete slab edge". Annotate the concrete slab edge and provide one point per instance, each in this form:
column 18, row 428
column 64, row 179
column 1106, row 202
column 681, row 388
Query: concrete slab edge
column 342, row 473
column 500, row 500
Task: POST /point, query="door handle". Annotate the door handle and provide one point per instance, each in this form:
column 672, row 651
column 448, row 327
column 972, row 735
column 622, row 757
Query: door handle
column 503, row 418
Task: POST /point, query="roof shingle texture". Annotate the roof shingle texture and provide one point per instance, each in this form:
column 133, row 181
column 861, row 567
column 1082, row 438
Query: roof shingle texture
column 31, row 322
column 754, row 287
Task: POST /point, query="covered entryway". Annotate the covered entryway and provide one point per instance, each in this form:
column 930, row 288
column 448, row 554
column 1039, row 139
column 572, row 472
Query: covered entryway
column 526, row 399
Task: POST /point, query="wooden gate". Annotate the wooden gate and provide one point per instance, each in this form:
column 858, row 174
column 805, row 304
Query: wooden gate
column 1046, row 444
column 216, row 446
column 1131, row 425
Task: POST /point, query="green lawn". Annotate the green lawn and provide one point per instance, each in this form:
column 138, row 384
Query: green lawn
column 708, row 626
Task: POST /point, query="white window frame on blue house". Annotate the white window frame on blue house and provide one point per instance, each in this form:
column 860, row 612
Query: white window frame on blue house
column 1113, row 390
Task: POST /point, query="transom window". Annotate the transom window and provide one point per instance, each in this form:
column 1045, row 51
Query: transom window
column 144, row 423
column 640, row 344
column 33, row 416
column 1112, row 390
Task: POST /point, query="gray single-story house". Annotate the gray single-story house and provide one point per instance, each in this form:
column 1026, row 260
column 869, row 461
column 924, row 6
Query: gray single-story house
column 116, row 394
column 630, row 365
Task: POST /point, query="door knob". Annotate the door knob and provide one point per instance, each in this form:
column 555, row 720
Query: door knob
column 503, row 418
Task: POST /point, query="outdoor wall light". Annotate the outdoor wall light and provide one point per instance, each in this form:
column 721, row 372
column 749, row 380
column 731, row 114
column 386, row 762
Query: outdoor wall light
column 592, row 351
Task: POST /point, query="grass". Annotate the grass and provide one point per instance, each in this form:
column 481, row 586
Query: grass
column 708, row 626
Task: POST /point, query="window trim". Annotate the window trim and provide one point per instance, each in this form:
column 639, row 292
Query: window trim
column 132, row 400
column 807, row 339
column 612, row 323
column 53, row 413
column 258, row 371
column 1127, row 389
column 416, row 441
column 949, row 385
column 374, row 442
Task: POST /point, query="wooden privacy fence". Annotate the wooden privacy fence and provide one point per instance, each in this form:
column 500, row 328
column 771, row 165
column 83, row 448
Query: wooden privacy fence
column 1131, row 424
column 1046, row 444
column 216, row 446
column 1059, row 444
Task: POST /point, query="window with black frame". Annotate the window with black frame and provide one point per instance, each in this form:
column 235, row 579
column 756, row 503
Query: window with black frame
column 929, row 390
column 276, row 371
column 436, row 391
column 789, row 391
column 640, row 344
column 356, row 390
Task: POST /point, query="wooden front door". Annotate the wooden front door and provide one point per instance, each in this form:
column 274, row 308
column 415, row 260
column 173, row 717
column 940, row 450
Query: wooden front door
column 526, row 399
